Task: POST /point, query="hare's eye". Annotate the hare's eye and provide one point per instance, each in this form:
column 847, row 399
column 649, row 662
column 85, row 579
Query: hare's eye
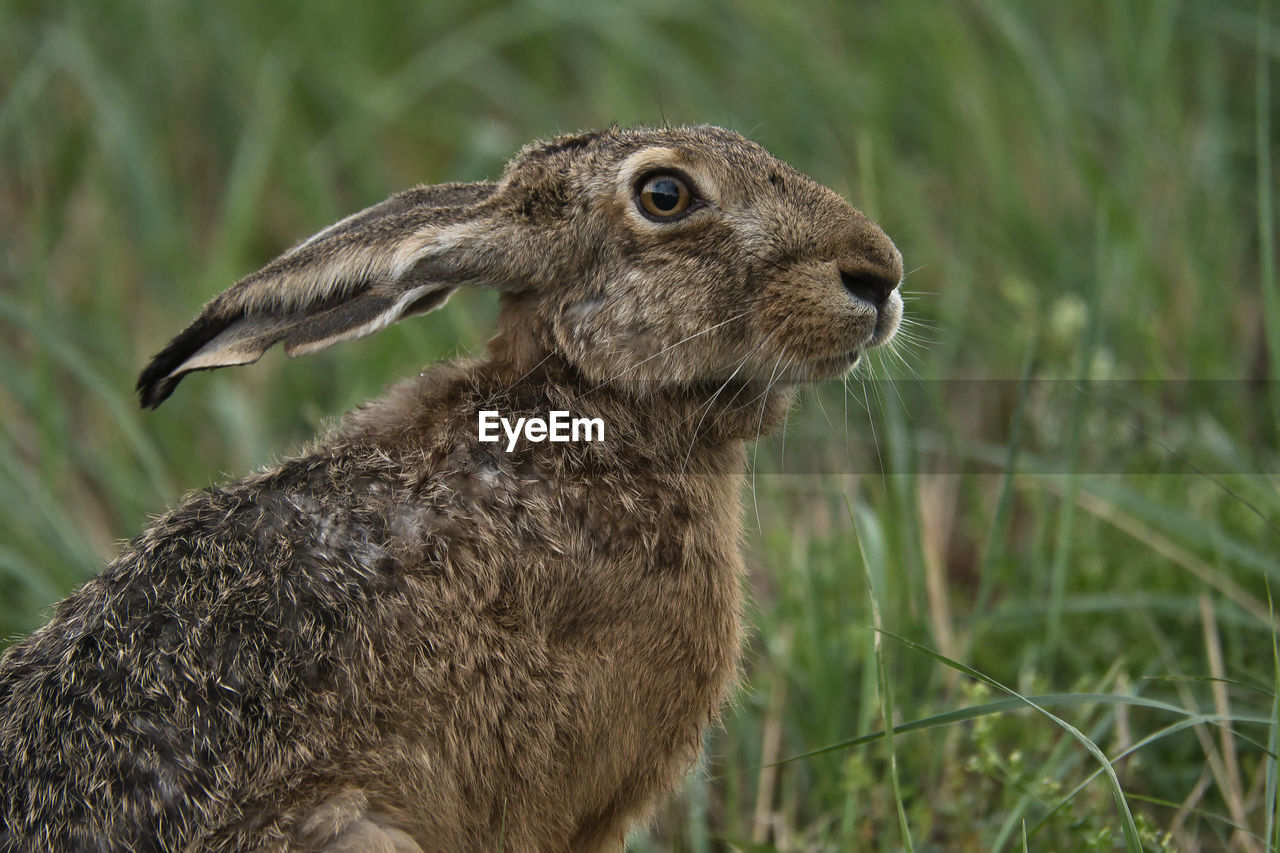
column 665, row 196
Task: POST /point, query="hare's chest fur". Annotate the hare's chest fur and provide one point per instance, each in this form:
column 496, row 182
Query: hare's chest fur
column 573, row 623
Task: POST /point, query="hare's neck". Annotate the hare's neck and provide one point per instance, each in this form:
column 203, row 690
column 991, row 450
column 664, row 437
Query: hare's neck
column 693, row 427
column 664, row 416
column 709, row 414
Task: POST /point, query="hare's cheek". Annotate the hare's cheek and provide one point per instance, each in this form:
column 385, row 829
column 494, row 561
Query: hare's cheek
column 605, row 336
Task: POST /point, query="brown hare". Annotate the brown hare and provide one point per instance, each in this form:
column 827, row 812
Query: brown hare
column 408, row 638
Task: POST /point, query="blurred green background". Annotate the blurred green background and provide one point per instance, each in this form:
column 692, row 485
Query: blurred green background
column 1082, row 191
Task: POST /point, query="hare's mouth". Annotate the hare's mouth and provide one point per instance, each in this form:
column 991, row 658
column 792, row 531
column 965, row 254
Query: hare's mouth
column 888, row 318
column 832, row 366
column 829, row 367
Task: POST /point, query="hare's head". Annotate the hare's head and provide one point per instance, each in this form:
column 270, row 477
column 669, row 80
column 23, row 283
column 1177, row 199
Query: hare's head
column 668, row 255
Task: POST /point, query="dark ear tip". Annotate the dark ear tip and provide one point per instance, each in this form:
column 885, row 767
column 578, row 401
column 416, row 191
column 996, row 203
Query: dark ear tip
column 153, row 389
column 157, row 379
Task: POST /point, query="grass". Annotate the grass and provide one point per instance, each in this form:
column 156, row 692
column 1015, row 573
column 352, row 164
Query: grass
column 1071, row 495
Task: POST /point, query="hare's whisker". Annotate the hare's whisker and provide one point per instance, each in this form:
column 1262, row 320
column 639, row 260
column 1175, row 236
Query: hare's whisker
column 875, row 439
column 706, row 408
column 755, row 453
column 888, row 378
column 817, row 396
column 527, row 374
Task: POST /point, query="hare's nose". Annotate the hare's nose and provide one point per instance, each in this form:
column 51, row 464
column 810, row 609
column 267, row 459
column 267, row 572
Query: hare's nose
column 870, row 283
column 870, row 265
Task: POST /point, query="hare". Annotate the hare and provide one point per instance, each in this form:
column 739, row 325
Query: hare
column 407, row 638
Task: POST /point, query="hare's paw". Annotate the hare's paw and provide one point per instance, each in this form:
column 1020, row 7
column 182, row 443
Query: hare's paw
column 344, row 824
column 369, row 836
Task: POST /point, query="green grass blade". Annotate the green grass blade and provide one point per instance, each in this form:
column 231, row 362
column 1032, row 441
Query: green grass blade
column 1266, row 193
column 885, row 689
column 1272, row 828
column 1132, row 840
column 1066, row 533
column 1001, row 706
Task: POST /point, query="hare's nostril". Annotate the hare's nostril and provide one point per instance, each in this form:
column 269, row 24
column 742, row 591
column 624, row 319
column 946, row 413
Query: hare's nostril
column 874, row 287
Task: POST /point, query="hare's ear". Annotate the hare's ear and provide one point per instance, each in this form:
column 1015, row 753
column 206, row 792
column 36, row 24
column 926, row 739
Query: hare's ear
column 404, row 256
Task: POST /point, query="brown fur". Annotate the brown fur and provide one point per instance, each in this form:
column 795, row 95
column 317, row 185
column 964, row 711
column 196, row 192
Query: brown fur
column 404, row 638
